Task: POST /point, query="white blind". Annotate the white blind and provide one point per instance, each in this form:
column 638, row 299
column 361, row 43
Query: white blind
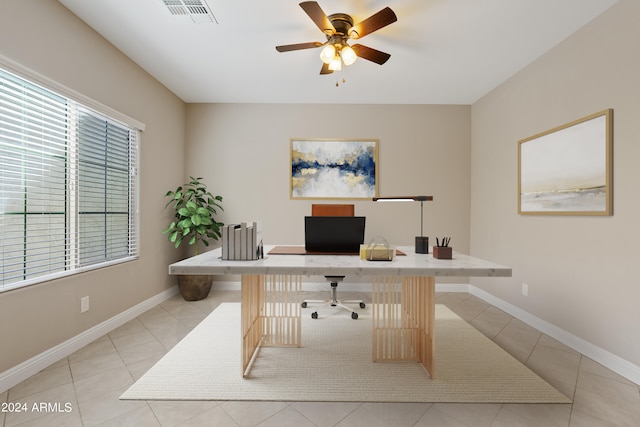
column 68, row 185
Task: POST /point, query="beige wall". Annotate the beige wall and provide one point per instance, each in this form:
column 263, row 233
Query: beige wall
column 243, row 152
column 45, row 37
column 580, row 270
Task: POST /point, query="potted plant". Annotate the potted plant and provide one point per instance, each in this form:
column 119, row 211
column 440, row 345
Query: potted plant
column 194, row 222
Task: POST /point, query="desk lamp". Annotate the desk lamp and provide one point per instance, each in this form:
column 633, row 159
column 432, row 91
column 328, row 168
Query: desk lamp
column 422, row 241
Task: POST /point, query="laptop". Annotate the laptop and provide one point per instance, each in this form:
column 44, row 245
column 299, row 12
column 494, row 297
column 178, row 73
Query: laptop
column 334, row 234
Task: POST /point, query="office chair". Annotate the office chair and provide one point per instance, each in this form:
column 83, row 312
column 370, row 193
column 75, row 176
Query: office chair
column 334, row 210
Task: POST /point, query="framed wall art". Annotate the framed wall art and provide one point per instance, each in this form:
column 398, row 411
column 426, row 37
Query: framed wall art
column 568, row 170
column 334, row 168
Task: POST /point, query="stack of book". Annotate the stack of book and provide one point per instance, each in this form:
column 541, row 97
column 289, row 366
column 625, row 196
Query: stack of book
column 242, row 241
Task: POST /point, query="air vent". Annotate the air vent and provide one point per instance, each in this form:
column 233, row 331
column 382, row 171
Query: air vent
column 196, row 11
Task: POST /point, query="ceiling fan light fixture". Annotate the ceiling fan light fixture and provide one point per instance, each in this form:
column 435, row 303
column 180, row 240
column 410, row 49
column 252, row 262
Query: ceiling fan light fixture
column 328, row 53
column 339, row 28
column 335, row 64
column 348, row 55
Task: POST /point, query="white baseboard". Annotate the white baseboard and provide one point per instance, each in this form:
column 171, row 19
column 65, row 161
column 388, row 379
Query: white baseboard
column 452, row 287
column 28, row 368
column 617, row 364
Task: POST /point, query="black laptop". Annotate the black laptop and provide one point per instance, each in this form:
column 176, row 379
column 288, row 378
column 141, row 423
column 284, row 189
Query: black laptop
column 334, row 234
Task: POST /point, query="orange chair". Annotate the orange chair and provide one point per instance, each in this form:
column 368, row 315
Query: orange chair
column 334, row 210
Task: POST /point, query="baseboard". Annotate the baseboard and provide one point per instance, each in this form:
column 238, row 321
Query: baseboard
column 28, row 368
column 452, row 287
column 617, row 364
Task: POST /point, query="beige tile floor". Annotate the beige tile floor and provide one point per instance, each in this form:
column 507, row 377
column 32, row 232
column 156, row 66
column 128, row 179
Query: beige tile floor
column 90, row 381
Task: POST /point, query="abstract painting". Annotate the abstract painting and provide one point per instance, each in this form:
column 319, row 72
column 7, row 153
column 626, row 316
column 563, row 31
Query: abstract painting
column 334, row 169
column 568, row 170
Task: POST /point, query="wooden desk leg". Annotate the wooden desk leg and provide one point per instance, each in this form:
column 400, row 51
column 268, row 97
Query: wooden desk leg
column 403, row 319
column 271, row 313
column 418, row 303
column 252, row 309
column 282, row 311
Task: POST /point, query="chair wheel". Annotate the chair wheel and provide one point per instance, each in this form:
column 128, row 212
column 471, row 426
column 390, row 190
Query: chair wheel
column 362, row 305
column 304, row 304
column 354, row 315
column 314, row 315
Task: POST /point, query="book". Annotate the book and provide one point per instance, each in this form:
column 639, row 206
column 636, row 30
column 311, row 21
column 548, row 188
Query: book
column 237, row 243
column 243, row 241
column 257, row 238
column 228, row 241
column 250, row 245
column 224, row 232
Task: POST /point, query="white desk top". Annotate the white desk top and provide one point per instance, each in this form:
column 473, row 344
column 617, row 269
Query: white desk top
column 344, row 265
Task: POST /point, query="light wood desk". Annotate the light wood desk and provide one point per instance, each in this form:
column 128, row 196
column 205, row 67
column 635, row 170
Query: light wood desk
column 403, row 300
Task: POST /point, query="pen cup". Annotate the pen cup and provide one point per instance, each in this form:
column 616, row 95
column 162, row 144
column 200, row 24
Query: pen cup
column 443, row 252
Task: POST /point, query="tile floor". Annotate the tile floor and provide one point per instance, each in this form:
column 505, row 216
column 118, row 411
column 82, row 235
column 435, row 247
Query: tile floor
column 87, row 383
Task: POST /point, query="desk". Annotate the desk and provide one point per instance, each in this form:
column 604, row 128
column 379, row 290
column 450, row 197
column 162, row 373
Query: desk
column 403, row 300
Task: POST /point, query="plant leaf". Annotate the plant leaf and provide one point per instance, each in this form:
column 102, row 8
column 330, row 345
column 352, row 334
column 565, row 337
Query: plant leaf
column 185, row 224
column 170, row 228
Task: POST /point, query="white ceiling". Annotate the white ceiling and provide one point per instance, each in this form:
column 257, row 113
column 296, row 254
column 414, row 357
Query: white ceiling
column 442, row 51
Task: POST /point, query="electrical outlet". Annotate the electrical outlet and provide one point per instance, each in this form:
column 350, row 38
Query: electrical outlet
column 84, row 304
column 525, row 289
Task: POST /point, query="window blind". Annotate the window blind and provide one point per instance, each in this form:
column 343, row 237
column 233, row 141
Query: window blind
column 68, row 185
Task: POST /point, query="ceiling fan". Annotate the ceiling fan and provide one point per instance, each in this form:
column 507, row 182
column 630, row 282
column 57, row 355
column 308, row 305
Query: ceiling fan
column 339, row 28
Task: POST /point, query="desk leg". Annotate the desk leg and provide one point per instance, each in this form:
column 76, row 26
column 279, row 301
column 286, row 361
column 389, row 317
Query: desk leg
column 252, row 309
column 403, row 319
column 271, row 313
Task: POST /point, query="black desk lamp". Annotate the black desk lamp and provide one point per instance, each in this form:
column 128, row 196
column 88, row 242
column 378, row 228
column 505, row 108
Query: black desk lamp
column 422, row 241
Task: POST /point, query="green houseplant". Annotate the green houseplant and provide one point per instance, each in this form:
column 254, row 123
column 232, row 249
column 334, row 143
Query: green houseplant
column 194, row 222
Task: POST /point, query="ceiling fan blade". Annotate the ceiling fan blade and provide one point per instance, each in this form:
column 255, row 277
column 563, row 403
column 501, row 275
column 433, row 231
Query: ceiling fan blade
column 325, row 69
column 370, row 54
column 298, row 46
column 373, row 23
column 318, row 16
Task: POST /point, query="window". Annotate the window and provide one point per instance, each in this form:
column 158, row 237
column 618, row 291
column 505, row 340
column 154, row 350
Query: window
column 68, row 185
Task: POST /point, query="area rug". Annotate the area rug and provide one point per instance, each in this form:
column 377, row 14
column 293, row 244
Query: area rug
column 334, row 364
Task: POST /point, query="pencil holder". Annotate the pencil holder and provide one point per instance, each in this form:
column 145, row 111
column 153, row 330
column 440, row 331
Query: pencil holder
column 443, row 252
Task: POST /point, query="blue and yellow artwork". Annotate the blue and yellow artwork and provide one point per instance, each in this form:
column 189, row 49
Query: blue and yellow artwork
column 334, row 169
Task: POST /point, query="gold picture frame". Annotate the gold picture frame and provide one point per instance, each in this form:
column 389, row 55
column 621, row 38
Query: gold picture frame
column 568, row 170
column 333, row 169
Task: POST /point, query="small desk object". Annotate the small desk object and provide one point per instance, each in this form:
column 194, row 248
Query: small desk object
column 402, row 301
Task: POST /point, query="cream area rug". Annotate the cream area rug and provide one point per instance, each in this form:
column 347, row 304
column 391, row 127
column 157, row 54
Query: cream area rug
column 334, row 364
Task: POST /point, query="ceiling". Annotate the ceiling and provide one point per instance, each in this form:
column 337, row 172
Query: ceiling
column 442, row 51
